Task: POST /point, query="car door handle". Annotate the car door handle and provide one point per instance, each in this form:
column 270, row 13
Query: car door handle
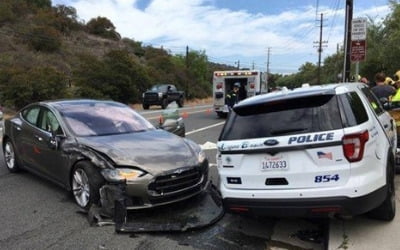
column 17, row 127
column 38, row 138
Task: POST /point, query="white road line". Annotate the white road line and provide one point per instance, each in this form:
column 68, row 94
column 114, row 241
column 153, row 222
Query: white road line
column 201, row 129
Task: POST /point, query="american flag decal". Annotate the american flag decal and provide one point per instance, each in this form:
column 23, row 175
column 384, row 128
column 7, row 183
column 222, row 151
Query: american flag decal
column 322, row 155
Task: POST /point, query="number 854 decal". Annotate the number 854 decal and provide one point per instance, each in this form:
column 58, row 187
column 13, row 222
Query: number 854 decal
column 326, row 178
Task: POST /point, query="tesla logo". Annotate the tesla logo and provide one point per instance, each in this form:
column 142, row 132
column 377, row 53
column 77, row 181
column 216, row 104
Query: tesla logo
column 178, row 171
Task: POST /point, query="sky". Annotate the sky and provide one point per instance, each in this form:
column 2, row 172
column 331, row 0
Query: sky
column 280, row 35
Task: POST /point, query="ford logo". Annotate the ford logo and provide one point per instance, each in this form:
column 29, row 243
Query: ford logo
column 271, row 142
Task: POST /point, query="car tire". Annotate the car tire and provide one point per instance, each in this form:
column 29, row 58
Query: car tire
column 164, row 103
column 181, row 102
column 387, row 210
column 10, row 157
column 86, row 182
column 146, row 106
column 221, row 115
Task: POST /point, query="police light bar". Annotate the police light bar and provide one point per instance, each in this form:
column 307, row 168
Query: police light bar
column 236, row 73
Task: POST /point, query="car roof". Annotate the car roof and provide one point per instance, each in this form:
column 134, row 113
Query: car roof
column 69, row 102
column 285, row 94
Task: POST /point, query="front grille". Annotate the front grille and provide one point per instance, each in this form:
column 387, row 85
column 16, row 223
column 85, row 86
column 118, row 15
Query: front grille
column 175, row 182
column 151, row 96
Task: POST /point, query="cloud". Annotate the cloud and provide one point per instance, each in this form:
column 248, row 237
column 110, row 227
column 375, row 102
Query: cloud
column 221, row 32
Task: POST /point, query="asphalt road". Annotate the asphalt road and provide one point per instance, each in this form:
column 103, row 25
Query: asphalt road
column 35, row 214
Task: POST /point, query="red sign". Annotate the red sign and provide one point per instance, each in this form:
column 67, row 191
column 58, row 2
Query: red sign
column 358, row 51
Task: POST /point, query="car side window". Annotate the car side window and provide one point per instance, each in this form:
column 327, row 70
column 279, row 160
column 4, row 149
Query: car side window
column 50, row 123
column 353, row 109
column 373, row 101
column 31, row 115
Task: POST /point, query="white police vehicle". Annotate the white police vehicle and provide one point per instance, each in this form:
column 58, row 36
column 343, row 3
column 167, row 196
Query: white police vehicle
column 309, row 152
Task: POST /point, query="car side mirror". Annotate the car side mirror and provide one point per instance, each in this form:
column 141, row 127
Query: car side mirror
column 54, row 140
column 387, row 106
column 384, row 100
column 385, row 103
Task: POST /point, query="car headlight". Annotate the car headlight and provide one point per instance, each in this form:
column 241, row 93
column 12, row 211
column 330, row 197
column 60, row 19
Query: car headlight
column 142, row 95
column 160, row 94
column 121, row 174
column 201, row 156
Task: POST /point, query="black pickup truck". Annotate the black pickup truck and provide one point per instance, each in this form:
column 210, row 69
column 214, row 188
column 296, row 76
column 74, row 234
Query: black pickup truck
column 163, row 94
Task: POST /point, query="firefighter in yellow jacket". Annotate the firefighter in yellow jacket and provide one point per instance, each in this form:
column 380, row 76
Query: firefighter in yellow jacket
column 396, row 78
column 233, row 96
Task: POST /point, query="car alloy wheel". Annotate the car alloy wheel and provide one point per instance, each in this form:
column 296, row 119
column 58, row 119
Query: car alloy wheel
column 9, row 156
column 81, row 187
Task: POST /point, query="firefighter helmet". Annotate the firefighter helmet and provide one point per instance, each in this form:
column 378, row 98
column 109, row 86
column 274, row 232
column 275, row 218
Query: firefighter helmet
column 389, row 81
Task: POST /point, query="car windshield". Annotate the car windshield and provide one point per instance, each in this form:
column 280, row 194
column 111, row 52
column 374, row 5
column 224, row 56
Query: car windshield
column 103, row 118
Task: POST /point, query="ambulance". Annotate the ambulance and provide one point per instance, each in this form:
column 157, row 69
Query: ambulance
column 252, row 82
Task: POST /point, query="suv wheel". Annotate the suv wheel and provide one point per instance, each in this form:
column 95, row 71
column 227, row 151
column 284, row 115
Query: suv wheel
column 146, row 106
column 164, row 103
column 387, row 210
column 180, row 102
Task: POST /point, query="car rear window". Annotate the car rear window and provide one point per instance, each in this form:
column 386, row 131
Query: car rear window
column 283, row 117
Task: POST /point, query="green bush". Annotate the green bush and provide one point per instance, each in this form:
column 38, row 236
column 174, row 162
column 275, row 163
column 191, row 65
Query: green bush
column 44, row 38
column 20, row 87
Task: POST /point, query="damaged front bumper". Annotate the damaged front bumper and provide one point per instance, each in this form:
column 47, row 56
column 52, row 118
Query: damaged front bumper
column 197, row 212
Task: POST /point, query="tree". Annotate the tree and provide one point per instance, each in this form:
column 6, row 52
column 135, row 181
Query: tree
column 103, row 27
column 117, row 76
column 21, row 87
column 44, row 38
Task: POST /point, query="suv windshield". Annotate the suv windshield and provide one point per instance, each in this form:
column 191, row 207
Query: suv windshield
column 96, row 119
column 159, row 88
column 283, row 117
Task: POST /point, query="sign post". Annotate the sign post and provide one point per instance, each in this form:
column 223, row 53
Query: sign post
column 358, row 48
column 358, row 39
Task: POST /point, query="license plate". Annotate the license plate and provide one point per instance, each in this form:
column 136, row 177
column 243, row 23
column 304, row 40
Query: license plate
column 276, row 162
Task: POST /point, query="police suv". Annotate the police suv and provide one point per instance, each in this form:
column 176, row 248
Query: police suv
column 309, row 152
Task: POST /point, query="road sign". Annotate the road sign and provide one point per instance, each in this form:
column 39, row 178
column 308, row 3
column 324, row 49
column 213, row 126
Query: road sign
column 358, row 51
column 359, row 29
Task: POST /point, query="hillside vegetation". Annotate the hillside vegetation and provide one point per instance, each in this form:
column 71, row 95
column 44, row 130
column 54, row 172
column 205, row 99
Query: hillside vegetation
column 47, row 53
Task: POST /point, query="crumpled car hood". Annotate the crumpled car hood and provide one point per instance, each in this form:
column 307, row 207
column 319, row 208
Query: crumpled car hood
column 154, row 151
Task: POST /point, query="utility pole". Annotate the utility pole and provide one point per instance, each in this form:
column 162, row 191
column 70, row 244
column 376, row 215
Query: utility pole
column 187, row 71
column 252, row 66
column 320, row 48
column 238, row 64
column 269, row 52
column 347, row 39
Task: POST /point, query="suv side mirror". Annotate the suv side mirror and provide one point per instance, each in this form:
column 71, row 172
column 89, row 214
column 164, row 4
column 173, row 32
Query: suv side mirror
column 385, row 103
column 387, row 106
column 384, row 100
